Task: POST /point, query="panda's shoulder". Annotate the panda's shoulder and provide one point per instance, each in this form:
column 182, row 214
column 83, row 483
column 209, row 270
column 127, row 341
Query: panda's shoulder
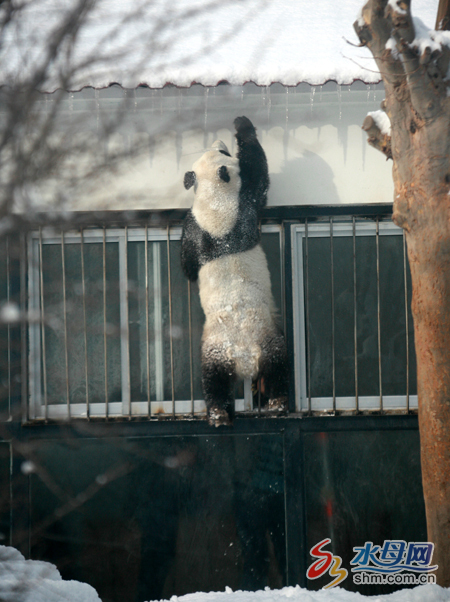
column 190, row 224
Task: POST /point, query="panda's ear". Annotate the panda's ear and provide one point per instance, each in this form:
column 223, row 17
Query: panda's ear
column 223, row 174
column 189, row 179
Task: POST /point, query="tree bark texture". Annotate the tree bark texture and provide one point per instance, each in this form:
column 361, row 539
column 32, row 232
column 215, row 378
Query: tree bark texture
column 419, row 111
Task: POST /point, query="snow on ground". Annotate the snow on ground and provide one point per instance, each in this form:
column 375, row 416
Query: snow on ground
column 423, row 593
column 203, row 41
column 37, row 581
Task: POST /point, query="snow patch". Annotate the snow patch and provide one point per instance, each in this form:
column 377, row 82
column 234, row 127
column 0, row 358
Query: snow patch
column 428, row 38
column 37, row 581
column 360, row 19
column 423, row 593
column 382, row 120
column 262, row 41
column 395, row 7
column 10, row 313
column 392, row 46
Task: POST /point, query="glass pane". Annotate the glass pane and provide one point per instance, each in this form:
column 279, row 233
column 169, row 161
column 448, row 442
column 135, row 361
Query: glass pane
column 392, row 317
column 176, row 514
column 54, row 327
column 359, row 487
column 270, row 242
column 159, row 332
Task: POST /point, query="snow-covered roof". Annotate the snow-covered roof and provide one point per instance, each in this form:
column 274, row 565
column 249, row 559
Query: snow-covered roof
column 156, row 42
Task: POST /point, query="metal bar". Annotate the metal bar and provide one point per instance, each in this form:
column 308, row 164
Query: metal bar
column 24, row 267
column 147, row 325
column 379, row 312
column 406, row 320
column 283, row 286
column 191, row 363
column 126, row 324
column 158, row 321
column 83, row 286
column 8, row 299
column 105, row 325
column 66, row 350
column 44, row 367
column 283, row 275
column 355, row 324
column 308, row 337
column 333, row 333
column 258, row 384
column 170, row 320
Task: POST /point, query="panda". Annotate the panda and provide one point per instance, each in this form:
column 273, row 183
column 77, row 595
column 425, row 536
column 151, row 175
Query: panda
column 220, row 247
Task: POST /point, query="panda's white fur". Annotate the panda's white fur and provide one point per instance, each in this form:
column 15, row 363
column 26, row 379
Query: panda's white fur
column 240, row 312
column 216, row 202
column 235, row 291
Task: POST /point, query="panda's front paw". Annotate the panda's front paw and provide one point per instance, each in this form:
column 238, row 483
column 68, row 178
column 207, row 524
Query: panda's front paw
column 244, row 127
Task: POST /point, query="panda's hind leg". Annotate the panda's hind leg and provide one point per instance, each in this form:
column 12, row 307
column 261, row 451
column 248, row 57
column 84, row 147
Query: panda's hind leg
column 218, row 376
column 274, row 369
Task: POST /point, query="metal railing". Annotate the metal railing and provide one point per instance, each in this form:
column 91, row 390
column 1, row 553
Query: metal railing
column 114, row 328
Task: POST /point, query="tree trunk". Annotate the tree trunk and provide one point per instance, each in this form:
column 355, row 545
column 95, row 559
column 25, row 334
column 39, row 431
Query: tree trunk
column 419, row 144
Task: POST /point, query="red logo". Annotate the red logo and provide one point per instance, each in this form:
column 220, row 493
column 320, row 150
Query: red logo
column 326, row 562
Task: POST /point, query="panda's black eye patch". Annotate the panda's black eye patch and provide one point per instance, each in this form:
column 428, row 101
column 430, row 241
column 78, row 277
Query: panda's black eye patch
column 189, row 179
column 225, row 153
column 223, row 173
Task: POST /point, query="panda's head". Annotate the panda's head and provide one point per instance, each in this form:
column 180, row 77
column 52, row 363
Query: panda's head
column 216, row 181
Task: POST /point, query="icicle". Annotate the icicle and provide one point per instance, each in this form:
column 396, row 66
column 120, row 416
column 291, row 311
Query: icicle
column 70, row 106
column 206, row 96
column 180, row 101
column 269, row 105
column 368, row 93
column 286, row 130
column 339, row 93
column 161, row 104
column 242, row 94
column 97, row 108
column 134, row 101
column 311, row 98
column 287, row 106
column 179, row 147
column 364, row 144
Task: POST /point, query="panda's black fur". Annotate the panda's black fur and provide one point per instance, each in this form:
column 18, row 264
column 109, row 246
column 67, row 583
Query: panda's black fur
column 220, row 247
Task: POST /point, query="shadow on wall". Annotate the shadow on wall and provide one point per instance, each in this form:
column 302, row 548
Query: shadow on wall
column 307, row 180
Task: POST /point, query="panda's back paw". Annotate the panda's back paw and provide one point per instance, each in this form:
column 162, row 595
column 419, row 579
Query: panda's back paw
column 279, row 405
column 219, row 417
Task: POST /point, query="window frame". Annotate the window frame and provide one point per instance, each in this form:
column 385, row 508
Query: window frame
column 38, row 407
column 303, row 403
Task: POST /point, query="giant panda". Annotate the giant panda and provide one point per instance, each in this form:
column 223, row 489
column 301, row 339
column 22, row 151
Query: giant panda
column 221, row 248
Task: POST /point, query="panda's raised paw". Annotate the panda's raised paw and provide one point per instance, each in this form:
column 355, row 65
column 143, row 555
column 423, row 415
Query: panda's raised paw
column 244, row 127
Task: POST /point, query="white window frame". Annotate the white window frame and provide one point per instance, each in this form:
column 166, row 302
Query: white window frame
column 126, row 407
column 325, row 404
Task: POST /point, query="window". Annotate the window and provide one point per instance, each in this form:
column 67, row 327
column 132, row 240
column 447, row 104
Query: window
column 121, row 326
column 353, row 329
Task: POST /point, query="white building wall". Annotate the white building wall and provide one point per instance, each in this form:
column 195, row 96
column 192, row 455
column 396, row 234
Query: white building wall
column 316, row 149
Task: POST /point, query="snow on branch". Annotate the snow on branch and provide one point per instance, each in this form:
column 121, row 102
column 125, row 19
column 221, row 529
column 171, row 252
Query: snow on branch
column 378, row 128
column 413, row 60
